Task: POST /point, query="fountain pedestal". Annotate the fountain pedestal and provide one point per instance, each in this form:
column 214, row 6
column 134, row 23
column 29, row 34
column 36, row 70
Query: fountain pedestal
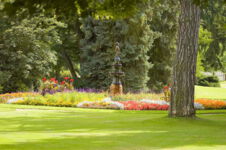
column 116, row 87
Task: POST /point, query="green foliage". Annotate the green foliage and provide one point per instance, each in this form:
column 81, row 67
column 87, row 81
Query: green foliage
column 205, row 38
column 213, row 22
column 26, row 52
column 135, row 38
column 112, row 8
column 211, row 81
column 160, row 28
column 164, row 21
column 199, row 66
column 223, row 60
column 68, row 52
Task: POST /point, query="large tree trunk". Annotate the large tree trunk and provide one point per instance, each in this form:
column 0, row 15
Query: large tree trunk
column 182, row 92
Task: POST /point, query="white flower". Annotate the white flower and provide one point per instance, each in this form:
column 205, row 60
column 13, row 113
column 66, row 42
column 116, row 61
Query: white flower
column 107, row 99
column 13, row 100
column 120, row 105
column 81, row 104
column 198, row 106
column 160, row 102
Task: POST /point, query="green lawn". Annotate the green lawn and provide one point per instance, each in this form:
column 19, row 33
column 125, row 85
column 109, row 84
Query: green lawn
column 210, row 92
column 223, row 84
column 51, row 128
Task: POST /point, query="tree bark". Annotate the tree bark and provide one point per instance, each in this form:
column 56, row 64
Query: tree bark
column 182, row 92
column 69, row 64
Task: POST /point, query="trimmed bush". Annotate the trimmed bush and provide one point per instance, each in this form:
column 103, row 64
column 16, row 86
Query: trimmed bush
column 210, row 81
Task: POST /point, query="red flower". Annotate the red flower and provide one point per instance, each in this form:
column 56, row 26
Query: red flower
column 66, row 78
column 165, row 87
column 56, row 81
column 136, row 105
column 63, row 82
column 44, row 79
column 53, row 79
column 71, row 80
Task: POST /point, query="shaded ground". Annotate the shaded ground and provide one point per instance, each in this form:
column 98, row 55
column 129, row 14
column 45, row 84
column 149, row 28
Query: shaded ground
column 32, row 128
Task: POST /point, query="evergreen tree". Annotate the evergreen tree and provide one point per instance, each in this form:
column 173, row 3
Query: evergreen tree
column 213, row 20
column 164, row 22
column 97, row 53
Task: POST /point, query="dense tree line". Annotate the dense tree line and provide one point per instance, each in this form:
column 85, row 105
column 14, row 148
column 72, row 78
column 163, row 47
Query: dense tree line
column 88, row 49
column 75, row 36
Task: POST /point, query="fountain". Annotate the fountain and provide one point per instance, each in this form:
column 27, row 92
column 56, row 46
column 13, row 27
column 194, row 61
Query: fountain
column 116, row 85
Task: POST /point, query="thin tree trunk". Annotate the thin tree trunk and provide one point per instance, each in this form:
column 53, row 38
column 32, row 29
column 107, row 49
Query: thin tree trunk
column 69, row 64
column 182, row 92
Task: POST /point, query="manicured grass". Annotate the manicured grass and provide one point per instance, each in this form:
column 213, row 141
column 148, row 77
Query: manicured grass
column 223, row 84
column 52, row 128
column 210, row 92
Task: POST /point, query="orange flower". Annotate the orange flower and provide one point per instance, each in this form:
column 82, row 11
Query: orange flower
column 212, row 104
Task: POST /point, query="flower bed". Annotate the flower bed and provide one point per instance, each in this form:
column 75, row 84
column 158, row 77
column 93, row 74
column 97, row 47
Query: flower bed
column 138, row 105
column 99, row 100
column 52, row 85
column 5, row 97
column 101, row 105
column 212, row 104
column 144, row 104
column 65, row 99
column 135, row 97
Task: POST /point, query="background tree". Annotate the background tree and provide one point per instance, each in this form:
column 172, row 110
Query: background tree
column 26, row 51
column 161, row 54
column 213, row 21
column 97, row 53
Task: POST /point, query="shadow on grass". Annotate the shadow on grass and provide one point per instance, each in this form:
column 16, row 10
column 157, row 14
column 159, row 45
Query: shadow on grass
column 109, row 131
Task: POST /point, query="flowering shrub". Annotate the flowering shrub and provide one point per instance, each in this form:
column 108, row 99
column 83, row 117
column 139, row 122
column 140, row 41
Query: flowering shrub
column 52, row 85
column 5, row 97
column 212, row 104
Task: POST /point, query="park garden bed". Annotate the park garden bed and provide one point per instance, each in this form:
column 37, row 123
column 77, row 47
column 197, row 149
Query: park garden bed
column 101, row 100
